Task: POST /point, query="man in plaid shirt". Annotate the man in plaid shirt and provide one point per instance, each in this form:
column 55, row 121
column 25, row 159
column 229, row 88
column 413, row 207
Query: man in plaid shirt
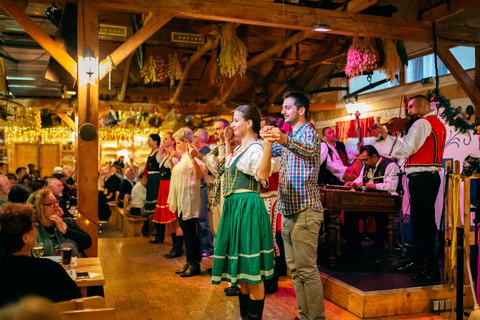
column 298, row 200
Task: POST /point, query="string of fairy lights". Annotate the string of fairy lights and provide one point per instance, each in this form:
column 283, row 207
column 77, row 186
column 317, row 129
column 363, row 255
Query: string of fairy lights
column 123, row 136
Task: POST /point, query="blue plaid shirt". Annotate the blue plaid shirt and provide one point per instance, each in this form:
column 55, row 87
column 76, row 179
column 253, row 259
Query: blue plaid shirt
column 299, row 167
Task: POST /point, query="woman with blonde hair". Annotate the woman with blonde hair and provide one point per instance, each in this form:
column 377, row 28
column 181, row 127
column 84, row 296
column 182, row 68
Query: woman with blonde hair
column 52, row 230
column 184, row 198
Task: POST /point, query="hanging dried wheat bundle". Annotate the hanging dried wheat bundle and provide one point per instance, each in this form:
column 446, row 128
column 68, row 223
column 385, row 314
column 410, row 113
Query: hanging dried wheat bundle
column 173, row 116
column 230, row 54
column 392, row 60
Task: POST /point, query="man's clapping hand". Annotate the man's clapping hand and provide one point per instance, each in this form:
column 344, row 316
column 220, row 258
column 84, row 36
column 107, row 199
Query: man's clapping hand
column 273, row 134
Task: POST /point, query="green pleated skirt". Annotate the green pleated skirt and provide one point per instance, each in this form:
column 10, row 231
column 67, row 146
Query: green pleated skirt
column 153, row 185
column 244, row 243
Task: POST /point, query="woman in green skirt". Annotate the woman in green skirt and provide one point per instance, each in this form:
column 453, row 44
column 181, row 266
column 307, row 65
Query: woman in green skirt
column 244, row 245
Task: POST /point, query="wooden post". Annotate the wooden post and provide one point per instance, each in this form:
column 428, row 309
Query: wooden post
column 477, row 77
column 456, row 190
column 448, row 272
column 87, row 164
column 466, row 223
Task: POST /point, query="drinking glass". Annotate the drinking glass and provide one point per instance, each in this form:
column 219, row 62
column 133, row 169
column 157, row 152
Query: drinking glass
column 38, row 250
column 67, row 204
column 66, row 250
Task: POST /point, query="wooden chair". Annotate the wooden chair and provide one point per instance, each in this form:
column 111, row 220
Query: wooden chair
column 89, row 308
column 91, row 314
column 132, row 225
column 119, row 212
column 95, row 302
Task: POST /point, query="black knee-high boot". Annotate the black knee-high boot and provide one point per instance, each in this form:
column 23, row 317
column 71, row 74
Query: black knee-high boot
column 255, row 309
column 243, row 300
column 177, row 250
column 160, row 235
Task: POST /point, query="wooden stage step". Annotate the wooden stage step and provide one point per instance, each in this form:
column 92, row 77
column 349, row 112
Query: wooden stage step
column 394, row 302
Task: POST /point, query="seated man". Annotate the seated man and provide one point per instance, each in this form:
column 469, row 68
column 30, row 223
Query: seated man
column 57, row 189
column 379, row 173
column 336, row 170
column 139, row 194
column 125, row 189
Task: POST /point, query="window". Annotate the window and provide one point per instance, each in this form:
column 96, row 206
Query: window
column 424, row 67
column 362, row 81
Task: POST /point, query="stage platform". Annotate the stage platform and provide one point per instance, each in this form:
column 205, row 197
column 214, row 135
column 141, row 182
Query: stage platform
column 369, row 288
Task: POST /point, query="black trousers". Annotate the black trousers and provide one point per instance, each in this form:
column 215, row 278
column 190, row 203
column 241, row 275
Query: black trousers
column 423, row 191
column 352, row 235
column 192, row 244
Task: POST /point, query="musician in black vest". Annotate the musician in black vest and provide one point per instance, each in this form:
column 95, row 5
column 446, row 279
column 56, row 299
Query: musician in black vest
column 378, row 173
column 336, row 169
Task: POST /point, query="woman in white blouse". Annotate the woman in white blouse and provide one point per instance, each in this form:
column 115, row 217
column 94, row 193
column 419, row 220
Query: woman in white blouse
column 184, row 198
column 244, row 245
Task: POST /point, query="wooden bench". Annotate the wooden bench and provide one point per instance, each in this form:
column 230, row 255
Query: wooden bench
column 132, row 225
column 119, row 212
column 90, row 308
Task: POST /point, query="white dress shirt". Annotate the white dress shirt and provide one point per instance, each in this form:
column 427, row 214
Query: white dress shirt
column 409, row 144
column 139, row 193
column 184, row 194
column 334, row 163
column 390, row 180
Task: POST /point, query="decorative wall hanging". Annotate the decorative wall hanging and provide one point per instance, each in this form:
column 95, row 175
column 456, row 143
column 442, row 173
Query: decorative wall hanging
column 230, row 54
column 154, row 70
column 362, row 56
column 392, row 63
column 174, row 68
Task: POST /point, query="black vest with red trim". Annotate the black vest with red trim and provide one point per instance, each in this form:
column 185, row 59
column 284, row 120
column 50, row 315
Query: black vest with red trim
column 380, row 173
column 431, row 153
column 325, row 176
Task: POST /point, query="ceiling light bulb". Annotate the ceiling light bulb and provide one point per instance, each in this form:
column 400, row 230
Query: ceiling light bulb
column 321, row 27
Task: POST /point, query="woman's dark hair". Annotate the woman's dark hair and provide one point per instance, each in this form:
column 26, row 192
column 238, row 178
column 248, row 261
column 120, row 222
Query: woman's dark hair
column 121, row 159
column 271, row 121
column 119, row 169
column 155, row 137
column 37, row 184
column 25, row 177
column 16, row 219
column 19, row 193
column 251, row 113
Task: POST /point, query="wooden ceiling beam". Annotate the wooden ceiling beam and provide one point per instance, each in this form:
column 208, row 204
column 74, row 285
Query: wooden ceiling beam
column 447, row 9
column 157, row 21
column 465, row 82
column 126, row 72
column 43, row 39
column 280, row 46
column 278, row 15
column 197, row 55
column 355, row 6
column 69, row 122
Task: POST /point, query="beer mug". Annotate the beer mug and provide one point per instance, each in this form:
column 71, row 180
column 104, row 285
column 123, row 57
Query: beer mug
column 66, row 249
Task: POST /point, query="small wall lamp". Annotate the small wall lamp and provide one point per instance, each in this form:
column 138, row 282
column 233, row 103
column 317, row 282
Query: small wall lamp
column 90, row 63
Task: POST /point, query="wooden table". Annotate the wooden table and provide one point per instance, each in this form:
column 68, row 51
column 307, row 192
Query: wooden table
column 91, row 265
column 338, row 198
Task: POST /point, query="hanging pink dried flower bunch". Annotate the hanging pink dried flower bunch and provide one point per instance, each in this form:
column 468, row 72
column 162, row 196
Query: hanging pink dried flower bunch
column 361, row 56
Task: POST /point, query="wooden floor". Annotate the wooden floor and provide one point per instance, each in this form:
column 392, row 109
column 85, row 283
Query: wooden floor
column 141, row 284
